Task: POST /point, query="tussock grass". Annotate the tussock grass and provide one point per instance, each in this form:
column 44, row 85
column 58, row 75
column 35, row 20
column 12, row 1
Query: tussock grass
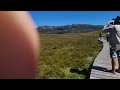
column 67, row 56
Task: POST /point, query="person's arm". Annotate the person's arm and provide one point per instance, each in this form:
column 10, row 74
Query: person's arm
column 19, row 45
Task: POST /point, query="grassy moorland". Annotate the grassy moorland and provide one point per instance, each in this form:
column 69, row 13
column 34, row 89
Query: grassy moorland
column 67, row 56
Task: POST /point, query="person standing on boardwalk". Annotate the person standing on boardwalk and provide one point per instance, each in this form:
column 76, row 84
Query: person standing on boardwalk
column 100, row 36
column 107, row 36
column 114, row 43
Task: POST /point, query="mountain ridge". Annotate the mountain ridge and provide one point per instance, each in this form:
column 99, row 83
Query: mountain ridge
column 73, row 28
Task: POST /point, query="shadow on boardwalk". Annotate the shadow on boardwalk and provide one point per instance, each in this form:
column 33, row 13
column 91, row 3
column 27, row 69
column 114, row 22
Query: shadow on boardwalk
column 100, row 68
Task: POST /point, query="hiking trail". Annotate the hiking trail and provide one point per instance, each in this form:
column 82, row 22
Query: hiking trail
column 102, row 64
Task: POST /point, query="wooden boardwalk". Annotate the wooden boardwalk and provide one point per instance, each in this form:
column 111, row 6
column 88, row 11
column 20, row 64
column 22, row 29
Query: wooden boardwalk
column 102, row 64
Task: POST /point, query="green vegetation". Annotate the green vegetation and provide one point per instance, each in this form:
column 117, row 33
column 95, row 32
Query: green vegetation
column 67, row 56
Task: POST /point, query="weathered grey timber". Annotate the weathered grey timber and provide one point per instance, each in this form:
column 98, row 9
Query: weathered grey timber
column 102, row 64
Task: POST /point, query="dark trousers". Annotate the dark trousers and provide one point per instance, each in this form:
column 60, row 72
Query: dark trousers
column 107, row 39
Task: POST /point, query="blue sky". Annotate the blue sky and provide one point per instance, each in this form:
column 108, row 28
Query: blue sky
column 58, row 18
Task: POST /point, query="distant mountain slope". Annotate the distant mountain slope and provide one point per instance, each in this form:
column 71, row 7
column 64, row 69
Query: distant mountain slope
column 74, row 28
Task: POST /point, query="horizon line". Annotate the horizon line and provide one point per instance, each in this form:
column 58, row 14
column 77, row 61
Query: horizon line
column 69, row 24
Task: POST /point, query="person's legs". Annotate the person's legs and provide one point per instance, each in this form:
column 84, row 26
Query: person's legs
column 100, row 37
column 118, row 64
column 113, row 57
column 107, row 39
column 113, row 66
column 118, row 53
